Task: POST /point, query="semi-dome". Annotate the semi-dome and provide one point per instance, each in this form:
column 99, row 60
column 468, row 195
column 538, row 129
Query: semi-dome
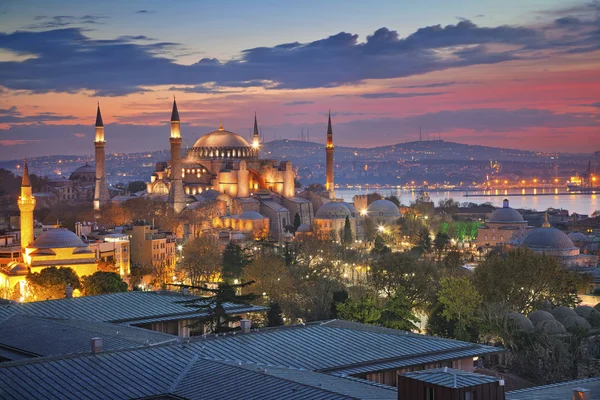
column 576, row 322
column 303, row 228
column 577, row 237
column 383, row 208
column 520, row 322
column 562, row 313
column 548, row 238
column 17, row 268
column 56, row 239
column 506, row 215
column 251, row 215
column 333, row 210
column 539, row 316
column 551, row 327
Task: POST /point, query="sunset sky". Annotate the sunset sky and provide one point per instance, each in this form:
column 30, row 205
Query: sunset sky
column 511, row 73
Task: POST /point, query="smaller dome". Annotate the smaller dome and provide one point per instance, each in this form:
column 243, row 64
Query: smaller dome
column 209, row 194
column 577, row 322
column 383, row 208
column 590, row 314
column 539, row 316
column 561, row 313
column 56, row 239
column 577, row 237
column 85, row 169
column 333, row 210
column 551, row 327
column 520, row 322
column 304, row 228
column 506, row 215
column 584, row 311
column 251, row 215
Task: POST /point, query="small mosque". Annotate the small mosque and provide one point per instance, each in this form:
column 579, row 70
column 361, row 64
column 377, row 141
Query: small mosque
column 504, row 226
column 53, row 248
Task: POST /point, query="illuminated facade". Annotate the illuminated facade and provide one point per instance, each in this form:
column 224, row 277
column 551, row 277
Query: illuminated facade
column 101, row 195
column 504, row 225
column 329, row 148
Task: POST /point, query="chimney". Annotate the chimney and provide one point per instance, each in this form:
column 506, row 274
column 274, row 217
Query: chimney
column 78, row 229
column 96, row 345
column 245, row 325
column 69, row 291
column 581, row 394
column 185, row 291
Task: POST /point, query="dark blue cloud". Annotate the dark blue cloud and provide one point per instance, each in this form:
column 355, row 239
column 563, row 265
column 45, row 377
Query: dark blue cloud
column 66, row 60
column 13, row 116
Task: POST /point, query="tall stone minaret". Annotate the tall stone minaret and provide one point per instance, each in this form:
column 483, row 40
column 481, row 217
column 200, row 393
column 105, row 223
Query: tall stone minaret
column 101, row 196
column 176, row 195
column 255, row 137
column 26, row 206
column 329, row 160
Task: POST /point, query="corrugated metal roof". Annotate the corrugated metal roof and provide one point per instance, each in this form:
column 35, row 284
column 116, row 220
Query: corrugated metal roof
column 114, row 307
column 45, row 337
column 337, row 346
column 557, row 391
column 450, row 377
column 167, row 371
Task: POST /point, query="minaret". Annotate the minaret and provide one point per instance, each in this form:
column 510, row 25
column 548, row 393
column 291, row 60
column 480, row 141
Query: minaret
column 101, row 196
column 26, row 206
column 255, row 137
column 176, row 195
column 329, row 160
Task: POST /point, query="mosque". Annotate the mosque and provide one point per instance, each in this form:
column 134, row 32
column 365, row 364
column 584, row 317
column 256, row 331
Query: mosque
column 504, row 226
column 222, row 183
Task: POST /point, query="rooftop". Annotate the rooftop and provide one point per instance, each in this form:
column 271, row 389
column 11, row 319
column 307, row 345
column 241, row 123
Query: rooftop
column 451, row 378
column 557, row 391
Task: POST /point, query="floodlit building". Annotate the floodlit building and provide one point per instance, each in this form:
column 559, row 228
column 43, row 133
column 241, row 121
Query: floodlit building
column 503, row 226
column 150, row 245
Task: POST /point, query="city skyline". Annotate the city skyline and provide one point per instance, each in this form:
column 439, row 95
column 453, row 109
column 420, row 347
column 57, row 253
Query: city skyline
column 501, row 75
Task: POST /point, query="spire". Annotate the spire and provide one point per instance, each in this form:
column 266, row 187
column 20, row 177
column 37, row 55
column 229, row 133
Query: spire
column 329, row 130
column 99, row 122
column 546, row 224
column 221, row 125
column 255, row 125
column 175, row 113
column 26, row 182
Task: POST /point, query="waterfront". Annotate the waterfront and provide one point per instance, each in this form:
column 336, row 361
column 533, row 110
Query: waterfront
column 535, row 199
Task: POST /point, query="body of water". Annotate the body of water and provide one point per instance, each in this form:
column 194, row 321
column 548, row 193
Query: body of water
column 535, row 199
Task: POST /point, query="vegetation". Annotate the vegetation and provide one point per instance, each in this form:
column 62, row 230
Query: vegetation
column 51, row 282
column 101, row 282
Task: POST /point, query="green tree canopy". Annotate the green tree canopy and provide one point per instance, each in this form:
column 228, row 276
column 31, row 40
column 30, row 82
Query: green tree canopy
column 50, row 283
column 234, row 261
column 101, row 282
column 460, row 300
column 347, row 233
column 397, row 312
column 523, row 279
column 363, row 310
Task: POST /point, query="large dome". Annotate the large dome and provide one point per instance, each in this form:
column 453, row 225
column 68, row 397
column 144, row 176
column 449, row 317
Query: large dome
column 383, row 208
column 85, row 169
column 56, row 239
column 548, row 239
column 221, row 138
column 333, row 210
column 506, row 215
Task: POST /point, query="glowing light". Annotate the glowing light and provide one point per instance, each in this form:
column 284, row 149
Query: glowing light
column 381, row 228
column 363, row 212
column 179, row 247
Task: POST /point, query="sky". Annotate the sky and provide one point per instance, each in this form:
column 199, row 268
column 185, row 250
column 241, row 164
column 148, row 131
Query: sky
column 510, row 73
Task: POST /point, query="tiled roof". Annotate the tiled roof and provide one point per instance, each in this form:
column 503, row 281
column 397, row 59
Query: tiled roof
column 126, row 307
column 337, row 347
column 168, row 371
column 451, row 378
column 557, row 391
column 45, row 337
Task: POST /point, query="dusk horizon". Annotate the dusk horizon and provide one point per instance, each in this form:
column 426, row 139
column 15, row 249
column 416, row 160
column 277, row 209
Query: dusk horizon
column 511, row 77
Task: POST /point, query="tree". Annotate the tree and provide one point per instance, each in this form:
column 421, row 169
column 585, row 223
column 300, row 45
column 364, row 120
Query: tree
column 101, row 282
column 452, row 262
column 136, row 186
column 397, row 313
column 423, row 239
column 217, row 320
column 379, row 247
column 347, row 233
column 394, row 199
column 274, row 317
column 107, row 266
column 297, row 222
column 523, row 279
column 441, row 241
column 460, row 300
column 363, row 310
column 271, row 277
column 449, row 206
column 339, row 297
column 234, row 260
column 201, row 260
column 418, row 278
column 50, row 283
